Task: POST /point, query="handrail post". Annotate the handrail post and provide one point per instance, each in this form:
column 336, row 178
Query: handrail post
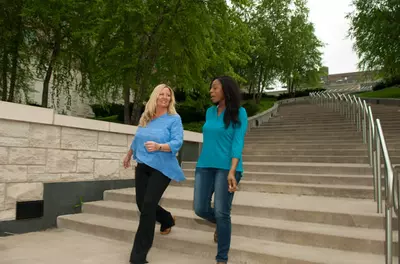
column 359, row 110
column 371, row 135
column 377, row 165
column 389, row 235
column 398, row 204
column 340, row 104
column 350, row 109
column 365, row 121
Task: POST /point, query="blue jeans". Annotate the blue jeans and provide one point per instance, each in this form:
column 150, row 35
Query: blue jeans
column 208, row 181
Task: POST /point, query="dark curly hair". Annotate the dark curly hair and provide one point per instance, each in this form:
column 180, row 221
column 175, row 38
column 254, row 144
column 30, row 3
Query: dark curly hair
column 232, row 99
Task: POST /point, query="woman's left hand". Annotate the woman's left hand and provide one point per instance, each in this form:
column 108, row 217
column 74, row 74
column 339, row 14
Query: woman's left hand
column 232, row 183
column 151, row 146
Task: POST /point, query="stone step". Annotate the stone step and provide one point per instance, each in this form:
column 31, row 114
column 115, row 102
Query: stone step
column 390, row 139
column 306, row 151
column 312, row 118
column 324, row 210
column 326, row 179
column 335, row 116
column 66, row 246
column 308, row 141
column 275, row 122
column 300, row 125
column 328, row 146
column 386, row 115
column 324, row 129
column 310, row 234
column 296, row 167
column 310, row 157
column 389, row 119
column 345, row 191
column 199, row 243
column 316, row 124
column 299, row 137
column 311, row 133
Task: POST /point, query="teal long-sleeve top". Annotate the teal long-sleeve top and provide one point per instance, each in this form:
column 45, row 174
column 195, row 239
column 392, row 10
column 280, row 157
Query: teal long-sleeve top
column 166, row 129
column 221, row 144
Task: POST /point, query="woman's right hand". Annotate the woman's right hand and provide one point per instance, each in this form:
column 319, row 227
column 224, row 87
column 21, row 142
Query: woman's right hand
column 127, row 161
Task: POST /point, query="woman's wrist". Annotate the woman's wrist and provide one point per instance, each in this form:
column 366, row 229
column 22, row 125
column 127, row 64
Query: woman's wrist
column 130, row 153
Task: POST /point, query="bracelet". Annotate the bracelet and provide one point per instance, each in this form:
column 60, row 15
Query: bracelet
column 159, row 149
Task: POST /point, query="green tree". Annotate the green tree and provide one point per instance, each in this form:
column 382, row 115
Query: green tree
column 14, row 53
column 56, row 44
column 141, row 43
column 267, row 23
column 375, row 29
column 301, row 48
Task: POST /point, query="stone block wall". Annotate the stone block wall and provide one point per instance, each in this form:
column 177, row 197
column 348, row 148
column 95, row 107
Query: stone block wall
column 38, row 146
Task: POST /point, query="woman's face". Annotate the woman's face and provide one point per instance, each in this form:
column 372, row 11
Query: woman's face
column 164, row 98
column 216, row 92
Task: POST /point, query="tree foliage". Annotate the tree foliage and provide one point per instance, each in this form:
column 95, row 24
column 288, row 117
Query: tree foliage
column 376, row 31
column 119, row 50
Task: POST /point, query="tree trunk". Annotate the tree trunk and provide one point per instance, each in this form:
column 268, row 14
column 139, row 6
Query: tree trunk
column 4, row 75
column 260, row 88
column 136, row 112
column 15, row 58
column 14, row 65
column 137, row 104
column 54, row 55
column 126, row 94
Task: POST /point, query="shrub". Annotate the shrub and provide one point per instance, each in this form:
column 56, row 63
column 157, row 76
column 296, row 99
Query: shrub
column 113, row 119
column 393, row 81
column 299, row 93
column 379, row 86
column 194, row 126
column 111, row 109
column 251, row 108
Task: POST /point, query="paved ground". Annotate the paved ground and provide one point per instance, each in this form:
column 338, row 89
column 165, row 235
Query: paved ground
column 70, row 247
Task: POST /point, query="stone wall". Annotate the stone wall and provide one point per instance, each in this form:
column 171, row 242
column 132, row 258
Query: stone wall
column 38, row 146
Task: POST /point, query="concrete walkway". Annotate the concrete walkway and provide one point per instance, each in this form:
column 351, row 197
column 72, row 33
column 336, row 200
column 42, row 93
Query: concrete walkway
column 69, row 247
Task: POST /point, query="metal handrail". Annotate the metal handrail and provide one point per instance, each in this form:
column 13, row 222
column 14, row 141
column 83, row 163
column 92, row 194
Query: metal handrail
column 357, row 111
column 381, row 146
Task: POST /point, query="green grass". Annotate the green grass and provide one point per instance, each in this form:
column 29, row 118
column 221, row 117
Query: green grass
column 391, row 92
column 265, row 104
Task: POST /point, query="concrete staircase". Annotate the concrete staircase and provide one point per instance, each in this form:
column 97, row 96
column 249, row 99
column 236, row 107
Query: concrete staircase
column 390, row 120
column 306, row 197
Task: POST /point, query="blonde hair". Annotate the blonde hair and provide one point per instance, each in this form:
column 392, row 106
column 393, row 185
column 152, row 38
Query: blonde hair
column 151, row 105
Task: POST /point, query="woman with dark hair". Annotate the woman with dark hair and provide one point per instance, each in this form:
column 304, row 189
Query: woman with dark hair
column 219, row 168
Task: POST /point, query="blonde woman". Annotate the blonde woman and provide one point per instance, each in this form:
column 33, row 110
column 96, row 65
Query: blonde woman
column 158, row 139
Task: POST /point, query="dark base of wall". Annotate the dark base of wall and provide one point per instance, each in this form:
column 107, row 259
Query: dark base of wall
column 61, row 199
column 189, row 152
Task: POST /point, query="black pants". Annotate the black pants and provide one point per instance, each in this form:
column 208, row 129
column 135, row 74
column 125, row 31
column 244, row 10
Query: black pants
column 150, row 185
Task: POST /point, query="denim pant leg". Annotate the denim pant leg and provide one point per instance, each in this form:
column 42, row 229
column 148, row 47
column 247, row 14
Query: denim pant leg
column 203, row 191
column 222, row 206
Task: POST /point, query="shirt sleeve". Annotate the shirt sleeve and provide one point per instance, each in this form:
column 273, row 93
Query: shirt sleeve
column 176, row 129
column 133, row 145
column 239, row 134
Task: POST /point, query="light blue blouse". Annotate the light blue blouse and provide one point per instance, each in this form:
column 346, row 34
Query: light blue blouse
column 221, row 144
column 166, row 129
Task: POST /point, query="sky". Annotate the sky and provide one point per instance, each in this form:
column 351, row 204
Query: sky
column 331, row 27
